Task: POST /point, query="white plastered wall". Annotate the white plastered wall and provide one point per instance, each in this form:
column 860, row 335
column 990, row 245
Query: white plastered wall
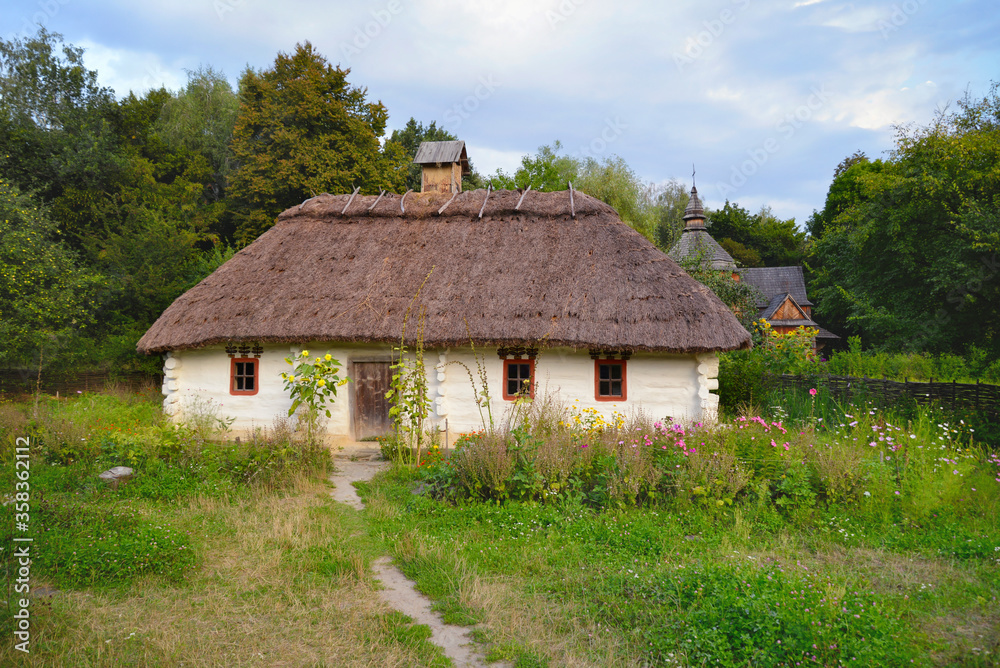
column 658, row 386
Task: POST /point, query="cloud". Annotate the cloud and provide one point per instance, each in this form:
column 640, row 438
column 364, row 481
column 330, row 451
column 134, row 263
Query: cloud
column 124, row 70
column 851, row 19
column 488, row 160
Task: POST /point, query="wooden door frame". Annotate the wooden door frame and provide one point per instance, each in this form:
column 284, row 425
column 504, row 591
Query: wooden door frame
column 353, row 398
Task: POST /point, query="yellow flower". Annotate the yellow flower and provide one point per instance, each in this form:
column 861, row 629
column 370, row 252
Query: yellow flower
column 305, row 353
column 321, row 382
column 328, row 357
column 291, row 379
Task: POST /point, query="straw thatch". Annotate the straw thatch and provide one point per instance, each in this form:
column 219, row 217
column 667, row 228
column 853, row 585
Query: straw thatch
column 528, row 277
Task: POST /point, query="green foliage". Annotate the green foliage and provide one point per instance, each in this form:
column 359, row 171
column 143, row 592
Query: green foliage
column 613, row 182
column 906, row 249
column 546, row 170
column 740, row 297
column 200, row 119
column 408, row 393
column 53, row 131
column 46, row 298
column 312, row 385
column 743, row 374
column 136, row 196
column 303, row 130
column 649, row 209
column 760, row 239
column 671, row 200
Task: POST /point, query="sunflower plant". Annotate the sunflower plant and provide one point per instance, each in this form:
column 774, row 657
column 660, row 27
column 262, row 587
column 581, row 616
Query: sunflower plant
column 313, row 384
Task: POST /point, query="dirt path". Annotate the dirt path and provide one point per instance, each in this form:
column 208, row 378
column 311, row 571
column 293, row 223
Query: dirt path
column 399, row 593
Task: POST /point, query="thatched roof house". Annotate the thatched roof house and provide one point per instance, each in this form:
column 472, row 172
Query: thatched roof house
column 553, row 287
column 346, row 269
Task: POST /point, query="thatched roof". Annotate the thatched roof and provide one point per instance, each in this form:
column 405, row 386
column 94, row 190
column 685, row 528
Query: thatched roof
column 338, row 268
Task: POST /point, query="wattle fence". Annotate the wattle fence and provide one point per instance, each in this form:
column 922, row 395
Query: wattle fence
column 981, row 397
column 14, row 383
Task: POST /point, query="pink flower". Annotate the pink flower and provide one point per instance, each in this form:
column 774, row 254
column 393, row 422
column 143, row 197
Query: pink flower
column 813, row 391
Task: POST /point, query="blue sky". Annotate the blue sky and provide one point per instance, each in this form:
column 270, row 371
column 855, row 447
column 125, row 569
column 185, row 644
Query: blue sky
column 766, row 97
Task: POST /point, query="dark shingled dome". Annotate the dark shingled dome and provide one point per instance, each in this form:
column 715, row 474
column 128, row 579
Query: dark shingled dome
column 338, row 268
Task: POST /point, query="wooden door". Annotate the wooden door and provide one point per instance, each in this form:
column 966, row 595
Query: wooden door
column 371, row 408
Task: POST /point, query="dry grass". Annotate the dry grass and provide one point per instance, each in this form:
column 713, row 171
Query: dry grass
column 261, row 598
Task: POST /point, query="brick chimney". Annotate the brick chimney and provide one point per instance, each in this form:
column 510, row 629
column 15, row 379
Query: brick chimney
column 443, row 164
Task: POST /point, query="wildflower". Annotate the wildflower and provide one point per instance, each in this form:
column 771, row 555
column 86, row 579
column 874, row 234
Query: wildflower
column 305, row 353
column 897, row 492
column 812, row 391
column 328, row 357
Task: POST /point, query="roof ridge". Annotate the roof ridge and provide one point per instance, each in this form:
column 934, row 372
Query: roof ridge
column 524, row 202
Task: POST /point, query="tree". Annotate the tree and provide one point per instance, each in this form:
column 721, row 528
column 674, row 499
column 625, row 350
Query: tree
column 45, row 296
column 200, row 119
column 612, row 181
column 907, row 256
column 740, row 297
column 54, row 132
column 846, row 190
column 671, row 200
column 761, row 237
column 303, row 130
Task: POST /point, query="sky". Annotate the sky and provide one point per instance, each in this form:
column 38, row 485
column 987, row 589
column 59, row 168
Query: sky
column 763, row 97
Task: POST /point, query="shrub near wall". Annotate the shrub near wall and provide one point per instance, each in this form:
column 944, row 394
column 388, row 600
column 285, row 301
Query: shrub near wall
column 743, row 374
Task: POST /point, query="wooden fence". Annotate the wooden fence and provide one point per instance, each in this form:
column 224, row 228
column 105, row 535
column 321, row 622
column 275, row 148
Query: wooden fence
column 14, row 383
column 979, row 396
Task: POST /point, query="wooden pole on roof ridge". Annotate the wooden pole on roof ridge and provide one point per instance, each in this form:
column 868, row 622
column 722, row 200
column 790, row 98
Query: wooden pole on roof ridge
column 572, row 206
column 380, row 194
column 523, row 195
column 350, row 199
column 483, row 207
column 402, row 200
column 441, row 210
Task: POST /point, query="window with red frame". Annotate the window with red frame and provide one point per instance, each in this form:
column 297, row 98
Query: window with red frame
column 609, row 380
column 243, row 372
column 518, row 379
